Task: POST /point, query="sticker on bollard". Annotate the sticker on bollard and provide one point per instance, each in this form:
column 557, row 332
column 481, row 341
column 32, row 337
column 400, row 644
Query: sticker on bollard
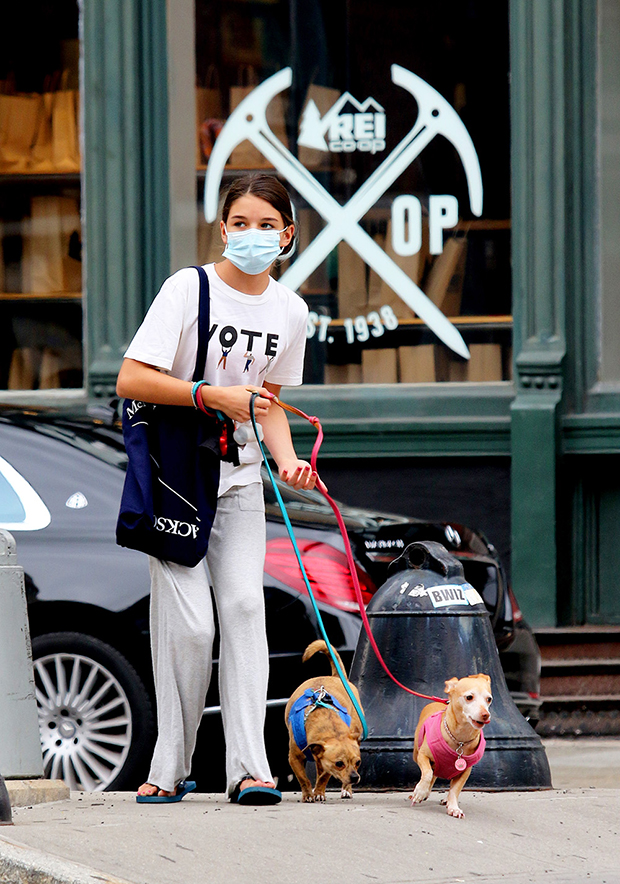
column 430, row 626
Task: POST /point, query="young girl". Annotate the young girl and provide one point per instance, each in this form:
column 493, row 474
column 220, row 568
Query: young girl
column 257, row 343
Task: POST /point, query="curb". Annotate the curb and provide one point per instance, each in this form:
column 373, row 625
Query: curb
column 26, row 793
column 25, row 865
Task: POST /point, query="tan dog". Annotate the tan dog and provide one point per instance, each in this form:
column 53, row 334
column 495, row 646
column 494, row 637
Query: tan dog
column 318, row 732
column 449, row 739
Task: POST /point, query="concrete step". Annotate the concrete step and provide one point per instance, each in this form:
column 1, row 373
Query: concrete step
column 580, row 681
column 599, row 676
column 577, row 642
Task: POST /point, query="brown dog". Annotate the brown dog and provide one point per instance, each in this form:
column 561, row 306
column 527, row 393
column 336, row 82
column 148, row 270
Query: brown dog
column 449, row 739
column 324, row 728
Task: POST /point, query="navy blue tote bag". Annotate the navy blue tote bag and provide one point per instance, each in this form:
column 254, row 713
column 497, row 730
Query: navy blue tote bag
column 170, row 493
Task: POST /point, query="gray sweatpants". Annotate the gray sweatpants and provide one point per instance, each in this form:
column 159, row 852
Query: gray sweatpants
column 182, row 632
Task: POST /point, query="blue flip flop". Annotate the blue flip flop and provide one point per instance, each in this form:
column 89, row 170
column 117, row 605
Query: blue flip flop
column 257, row 795
column 183, row 788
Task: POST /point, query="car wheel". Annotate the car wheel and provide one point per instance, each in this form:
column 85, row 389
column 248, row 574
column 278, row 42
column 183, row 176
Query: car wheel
column 95, row 715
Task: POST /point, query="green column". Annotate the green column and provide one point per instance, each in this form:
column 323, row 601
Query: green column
column 539, row 215
column 548, row 61
column 125, row 183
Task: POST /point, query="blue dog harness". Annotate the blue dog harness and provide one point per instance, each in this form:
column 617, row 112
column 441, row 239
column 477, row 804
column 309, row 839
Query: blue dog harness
column 301, row 709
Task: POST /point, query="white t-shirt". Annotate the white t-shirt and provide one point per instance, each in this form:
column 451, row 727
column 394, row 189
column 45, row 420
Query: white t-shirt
column 253, row 339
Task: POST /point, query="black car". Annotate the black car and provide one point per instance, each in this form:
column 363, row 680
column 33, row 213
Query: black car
column 61, row 477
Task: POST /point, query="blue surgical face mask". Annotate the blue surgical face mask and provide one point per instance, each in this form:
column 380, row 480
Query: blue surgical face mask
column 252, row 250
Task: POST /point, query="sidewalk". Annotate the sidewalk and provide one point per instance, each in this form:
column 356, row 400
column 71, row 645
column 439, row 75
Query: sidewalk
column 563, row 836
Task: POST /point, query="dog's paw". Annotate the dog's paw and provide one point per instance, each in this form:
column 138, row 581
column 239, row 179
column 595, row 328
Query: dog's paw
column 319, row 796
column 455, row 811
column 419, row 795
column 346, row 793
column 307, row 798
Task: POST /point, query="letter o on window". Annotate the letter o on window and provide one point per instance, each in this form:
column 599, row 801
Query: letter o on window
column 406, row 225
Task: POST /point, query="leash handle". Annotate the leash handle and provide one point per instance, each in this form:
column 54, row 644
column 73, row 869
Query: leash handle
column 347, row 545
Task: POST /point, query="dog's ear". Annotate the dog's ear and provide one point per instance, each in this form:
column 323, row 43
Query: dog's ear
column 482, row 675
column 450, row 685
column 317, row 749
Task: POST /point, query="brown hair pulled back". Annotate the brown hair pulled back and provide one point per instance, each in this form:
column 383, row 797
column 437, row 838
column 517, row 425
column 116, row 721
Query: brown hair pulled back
column 267, row 188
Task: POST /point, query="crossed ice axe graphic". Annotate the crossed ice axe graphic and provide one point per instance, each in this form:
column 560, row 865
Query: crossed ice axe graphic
column 435, row 117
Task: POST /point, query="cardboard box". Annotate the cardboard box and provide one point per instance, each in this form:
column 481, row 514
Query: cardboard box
column 343, row 374
column 416, row 365
column 485, row 364
column 380, row 366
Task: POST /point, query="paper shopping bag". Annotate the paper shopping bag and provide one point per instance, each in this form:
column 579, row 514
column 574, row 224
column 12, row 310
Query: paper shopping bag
column 245, row 155
column 352, row 297
column 210, row 246
column 19, row 117
column 319, row 99
column 445, row 279
column 209, row 115
column 51, row 260
column 24, row 368
column 309, row 225
column 41, row 158
column 65, row 132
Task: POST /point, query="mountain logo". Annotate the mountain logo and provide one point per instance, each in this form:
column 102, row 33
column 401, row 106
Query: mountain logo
column 348, row 125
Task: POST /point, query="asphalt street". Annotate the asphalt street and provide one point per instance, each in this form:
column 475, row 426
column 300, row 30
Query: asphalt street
column 562, row 836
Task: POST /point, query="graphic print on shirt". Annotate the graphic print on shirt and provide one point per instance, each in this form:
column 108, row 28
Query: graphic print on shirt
column 224, row 357
column 254, row 343
column 266, row 365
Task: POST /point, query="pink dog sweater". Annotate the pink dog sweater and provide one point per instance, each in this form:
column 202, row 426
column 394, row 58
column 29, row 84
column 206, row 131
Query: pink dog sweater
column 443, row 755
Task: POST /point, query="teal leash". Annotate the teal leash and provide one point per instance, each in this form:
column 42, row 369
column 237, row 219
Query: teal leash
column 315, row 607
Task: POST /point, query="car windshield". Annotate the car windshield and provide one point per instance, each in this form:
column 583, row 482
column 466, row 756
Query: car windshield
column 11, row 507
column 94, row 437
column 21, row 508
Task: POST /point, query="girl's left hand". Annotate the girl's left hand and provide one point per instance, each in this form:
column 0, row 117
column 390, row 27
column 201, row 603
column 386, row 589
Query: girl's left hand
column 299, row 474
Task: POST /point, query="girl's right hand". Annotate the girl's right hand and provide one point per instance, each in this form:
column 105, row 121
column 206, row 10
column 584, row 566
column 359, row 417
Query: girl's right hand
column 235, row 401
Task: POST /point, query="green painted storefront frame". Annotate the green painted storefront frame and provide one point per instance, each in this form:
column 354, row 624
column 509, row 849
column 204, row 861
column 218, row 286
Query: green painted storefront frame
column 552, row 409
column 125, row 178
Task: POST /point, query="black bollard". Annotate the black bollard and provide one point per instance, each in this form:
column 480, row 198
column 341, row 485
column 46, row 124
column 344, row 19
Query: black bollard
column 6, row 817
column 430, row 625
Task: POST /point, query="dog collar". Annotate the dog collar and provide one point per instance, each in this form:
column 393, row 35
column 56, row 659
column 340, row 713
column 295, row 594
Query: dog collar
column 301, row 709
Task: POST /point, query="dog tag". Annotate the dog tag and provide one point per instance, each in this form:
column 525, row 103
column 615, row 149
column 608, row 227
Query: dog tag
column 460, row 764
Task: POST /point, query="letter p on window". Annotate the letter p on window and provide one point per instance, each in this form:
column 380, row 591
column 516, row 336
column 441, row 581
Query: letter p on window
column 443, row 213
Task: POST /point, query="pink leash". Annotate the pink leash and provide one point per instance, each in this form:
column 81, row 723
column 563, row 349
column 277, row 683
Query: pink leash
column 347, row 545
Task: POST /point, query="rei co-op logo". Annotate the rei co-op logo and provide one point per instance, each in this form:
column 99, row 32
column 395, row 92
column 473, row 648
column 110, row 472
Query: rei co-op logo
column 363, row 129
column 353, row 126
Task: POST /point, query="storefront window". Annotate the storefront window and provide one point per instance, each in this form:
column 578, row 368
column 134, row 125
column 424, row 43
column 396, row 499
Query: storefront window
column 40, row 231
column 398, row 113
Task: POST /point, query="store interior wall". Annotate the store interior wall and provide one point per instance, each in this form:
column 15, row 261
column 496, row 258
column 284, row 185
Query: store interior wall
column 474, row 492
